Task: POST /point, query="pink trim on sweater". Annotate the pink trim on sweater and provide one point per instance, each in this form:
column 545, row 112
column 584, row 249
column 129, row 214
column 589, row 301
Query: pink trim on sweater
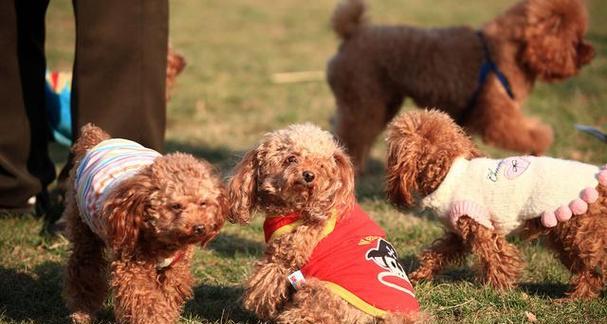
column 471, row 209
column 563, row 213
column 578, row 206
column 590, row 195
column 549, row 219
column 603, row 177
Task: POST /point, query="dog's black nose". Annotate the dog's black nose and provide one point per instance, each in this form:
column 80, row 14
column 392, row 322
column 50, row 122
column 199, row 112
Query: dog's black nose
column 198, row 229
column 308, row 176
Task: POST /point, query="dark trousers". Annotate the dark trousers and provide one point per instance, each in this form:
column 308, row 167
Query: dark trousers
column 119, row 83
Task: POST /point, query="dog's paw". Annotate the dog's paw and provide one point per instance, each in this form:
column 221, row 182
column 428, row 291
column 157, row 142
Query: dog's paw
column 267, row 290
column 419, row 275
column 541, row 135
column 80, row 318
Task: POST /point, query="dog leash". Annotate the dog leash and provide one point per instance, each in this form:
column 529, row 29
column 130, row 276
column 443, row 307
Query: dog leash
column 488, row 67
column 592, row 131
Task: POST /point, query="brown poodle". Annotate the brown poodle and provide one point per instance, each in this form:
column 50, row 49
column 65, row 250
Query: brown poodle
column 340, row 267
column 432, row 164
column 481, row 78
column 135, row 215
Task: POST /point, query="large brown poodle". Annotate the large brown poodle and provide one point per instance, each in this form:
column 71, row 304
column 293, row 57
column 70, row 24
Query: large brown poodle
column 480, row 77
column 432, row 164
column 134, row 217
column 341, row 268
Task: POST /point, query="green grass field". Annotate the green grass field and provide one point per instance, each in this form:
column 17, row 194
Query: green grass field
column 226, row 99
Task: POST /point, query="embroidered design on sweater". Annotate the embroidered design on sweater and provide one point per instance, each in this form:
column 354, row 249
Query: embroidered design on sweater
column 513, row 167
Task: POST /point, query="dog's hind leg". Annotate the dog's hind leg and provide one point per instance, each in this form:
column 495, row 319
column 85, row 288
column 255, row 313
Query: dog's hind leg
column 445, row 251
column 501, row 122
column 85, row 285
column 500, row 261
column 315, row 303
column 581, row 244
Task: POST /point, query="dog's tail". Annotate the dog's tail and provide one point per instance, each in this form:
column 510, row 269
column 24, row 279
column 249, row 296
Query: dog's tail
column 90, row 135
column 348, row 17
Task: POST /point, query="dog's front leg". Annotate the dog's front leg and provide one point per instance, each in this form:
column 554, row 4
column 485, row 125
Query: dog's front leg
column 138, row 294
column 443, row 252
column 267, row 289
column 175, row 282
column 500, row 261
column 501, row 122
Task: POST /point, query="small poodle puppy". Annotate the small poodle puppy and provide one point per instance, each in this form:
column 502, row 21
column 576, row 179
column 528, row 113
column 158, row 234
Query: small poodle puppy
column 138, row 214
column 326, row 261
column 432, row 164
column 480, row 77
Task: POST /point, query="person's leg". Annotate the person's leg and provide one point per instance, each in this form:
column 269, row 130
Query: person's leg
column 120, row 68
column 25, row 167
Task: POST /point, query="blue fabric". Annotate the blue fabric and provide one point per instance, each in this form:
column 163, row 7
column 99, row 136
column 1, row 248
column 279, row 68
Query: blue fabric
column 486, row 69
column 58, row 109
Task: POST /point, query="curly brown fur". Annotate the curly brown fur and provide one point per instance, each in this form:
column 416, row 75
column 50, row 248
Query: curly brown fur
column 153, row 215
column 581, row 245
column 500, row 264
column 377, row 67
column 271, row 178
column 422, row 146
column 445, row 251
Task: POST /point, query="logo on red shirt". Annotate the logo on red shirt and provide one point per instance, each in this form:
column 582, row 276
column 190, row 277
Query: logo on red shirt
column 384, row 255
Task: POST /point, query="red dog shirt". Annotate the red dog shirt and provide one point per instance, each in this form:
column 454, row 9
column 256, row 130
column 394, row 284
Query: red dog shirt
column 355, row 262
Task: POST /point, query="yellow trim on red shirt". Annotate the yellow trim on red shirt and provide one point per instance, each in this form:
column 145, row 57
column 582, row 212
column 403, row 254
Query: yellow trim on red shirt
column 329, row 227
column 354, row 300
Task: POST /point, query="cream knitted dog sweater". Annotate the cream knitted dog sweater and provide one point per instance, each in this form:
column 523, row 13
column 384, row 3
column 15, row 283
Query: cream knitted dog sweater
column 503, row 194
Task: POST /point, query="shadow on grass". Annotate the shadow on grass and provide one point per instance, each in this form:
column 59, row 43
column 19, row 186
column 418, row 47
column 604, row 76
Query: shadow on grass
column 228, row 245
column 451, row 274
column 370, row 185
column 545, row 290
column 218, row 303
column 410, row 263
column 32, row 297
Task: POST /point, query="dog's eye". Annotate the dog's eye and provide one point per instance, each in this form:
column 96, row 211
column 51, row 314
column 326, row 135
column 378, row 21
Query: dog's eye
column 291, row 159
column 176, row 207
column 203, row 204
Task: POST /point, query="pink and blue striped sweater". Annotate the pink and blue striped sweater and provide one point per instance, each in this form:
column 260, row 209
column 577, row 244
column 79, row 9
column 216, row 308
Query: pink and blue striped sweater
column 102, row 168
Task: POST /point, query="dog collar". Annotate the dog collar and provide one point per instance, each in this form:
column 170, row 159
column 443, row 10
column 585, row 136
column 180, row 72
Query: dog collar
column 489, row 66
column 279, row 225
column 170, row 261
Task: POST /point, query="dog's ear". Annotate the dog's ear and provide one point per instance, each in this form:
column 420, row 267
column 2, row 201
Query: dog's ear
column 219, row 220
column 401, row 170
column 345, row 193
column 222, row 201
column 554, row 45
column 125, row 210
column 421, row 148
column 242, row 189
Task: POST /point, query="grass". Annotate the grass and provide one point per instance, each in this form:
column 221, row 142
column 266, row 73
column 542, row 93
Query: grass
column 225, row 100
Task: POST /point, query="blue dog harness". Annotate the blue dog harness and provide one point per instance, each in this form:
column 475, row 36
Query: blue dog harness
column 487, row 68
